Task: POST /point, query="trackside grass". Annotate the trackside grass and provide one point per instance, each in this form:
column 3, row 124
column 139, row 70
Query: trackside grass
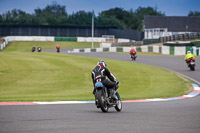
column 27, row 76
column 26, row 46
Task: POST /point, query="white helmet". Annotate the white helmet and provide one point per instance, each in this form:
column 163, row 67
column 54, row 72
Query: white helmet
column 188, row 52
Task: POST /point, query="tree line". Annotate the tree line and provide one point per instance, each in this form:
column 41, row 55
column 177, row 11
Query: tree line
column 55, row 14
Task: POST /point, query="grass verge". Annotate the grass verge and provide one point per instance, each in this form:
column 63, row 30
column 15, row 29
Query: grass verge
column 27, row 76
column 26, row 46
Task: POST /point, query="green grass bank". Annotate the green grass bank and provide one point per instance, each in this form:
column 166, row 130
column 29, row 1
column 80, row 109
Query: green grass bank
column 27, row 76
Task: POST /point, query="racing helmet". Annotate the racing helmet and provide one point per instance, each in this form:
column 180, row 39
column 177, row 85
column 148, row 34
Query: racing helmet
column 101, row 63
column 188, row 52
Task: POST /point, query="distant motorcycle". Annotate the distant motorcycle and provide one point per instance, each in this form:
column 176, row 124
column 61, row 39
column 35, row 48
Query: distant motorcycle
column 39, row 49
column 103, row 101
column 33, row 49
column 133, row 57
column 191, row 64
column 58, row 48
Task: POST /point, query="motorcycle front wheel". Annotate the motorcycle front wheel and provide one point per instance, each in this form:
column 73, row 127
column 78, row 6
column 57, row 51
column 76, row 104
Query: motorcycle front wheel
column 118, row 106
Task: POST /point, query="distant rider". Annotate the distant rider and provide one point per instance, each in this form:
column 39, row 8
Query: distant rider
column 133, row 52
column 39, row 49
column 101, row 73
column 58, row 48
column 33, row 49
column 188, row 57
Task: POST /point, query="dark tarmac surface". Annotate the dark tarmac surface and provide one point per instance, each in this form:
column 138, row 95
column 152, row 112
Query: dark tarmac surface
column 176, row 116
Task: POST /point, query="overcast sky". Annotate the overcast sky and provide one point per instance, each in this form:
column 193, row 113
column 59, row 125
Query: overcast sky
column 169, row 7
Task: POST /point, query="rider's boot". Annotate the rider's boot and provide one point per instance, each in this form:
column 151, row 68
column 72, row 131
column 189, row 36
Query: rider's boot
column 114, row 95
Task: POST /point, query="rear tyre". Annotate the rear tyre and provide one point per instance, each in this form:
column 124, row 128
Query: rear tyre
column 102, row 101
column 192, row 68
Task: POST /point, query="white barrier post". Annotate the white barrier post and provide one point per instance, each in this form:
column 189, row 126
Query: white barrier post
column 155, row 49
column 127, row 49
column 76, row 51
column 112, row 49
column 144, row 48
column 87, row 50
column 179, row 50
column 99, row 49
column 165, row 50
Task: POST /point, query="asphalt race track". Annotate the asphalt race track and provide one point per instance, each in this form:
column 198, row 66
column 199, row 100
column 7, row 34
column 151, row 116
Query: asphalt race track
column 176, row 116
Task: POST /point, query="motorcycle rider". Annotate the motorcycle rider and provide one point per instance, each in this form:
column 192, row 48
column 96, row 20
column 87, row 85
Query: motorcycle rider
column 33, row 49
column 101, row 73
column 188, row 57
column 133, row 52
column 39, row 49
column 58, row 48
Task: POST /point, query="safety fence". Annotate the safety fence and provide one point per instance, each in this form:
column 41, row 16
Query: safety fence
column 67, row 31
column 176, row 37
column 186, row 36
column 167, row 50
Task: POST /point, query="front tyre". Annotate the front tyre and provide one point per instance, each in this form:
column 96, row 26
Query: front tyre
column 118, row 106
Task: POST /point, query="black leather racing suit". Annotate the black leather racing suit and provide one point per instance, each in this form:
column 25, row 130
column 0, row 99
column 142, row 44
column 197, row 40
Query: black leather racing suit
column 100, row 73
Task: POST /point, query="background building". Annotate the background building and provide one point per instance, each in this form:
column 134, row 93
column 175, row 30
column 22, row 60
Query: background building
column 160, row 26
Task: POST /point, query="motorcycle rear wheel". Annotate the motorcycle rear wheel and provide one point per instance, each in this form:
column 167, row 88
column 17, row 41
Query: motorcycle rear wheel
column 133, row 58
column 192, row 68
column 102, row 101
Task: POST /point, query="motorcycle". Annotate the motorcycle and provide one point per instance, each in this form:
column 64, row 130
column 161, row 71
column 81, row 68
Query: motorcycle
column 191, row 64
column 58, row 50
column 33, row 49
column 133, row 57
column 39, row 49
column 103, row 101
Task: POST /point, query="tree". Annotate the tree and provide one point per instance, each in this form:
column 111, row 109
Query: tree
column 194, row 13
column 1, row 19
column 55, row 14
column 121, row 15
column 51, row 14
column 109, row 21
column 130, row 19
column 16, row 16
column 142, row 11
column 80, row 18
